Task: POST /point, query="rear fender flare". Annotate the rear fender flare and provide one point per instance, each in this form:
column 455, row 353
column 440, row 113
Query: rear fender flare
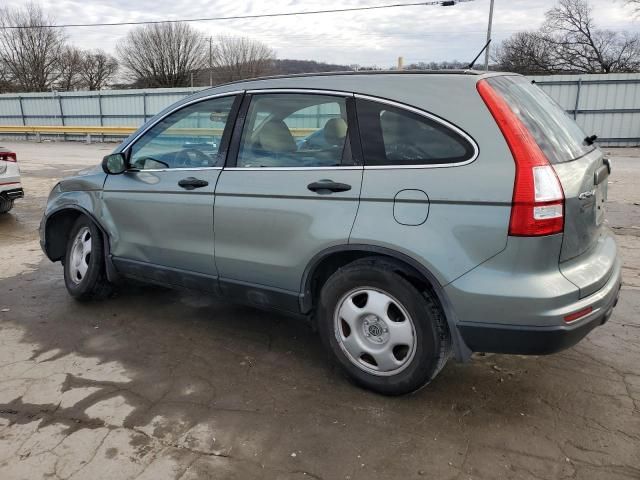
column 461, row 350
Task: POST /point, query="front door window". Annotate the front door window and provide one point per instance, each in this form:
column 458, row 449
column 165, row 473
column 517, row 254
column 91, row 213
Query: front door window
column 188, row 138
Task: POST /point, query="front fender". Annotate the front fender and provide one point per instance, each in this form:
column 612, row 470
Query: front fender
column 62, row 210
column 77, row 202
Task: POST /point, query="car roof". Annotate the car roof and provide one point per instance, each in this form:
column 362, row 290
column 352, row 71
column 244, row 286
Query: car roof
column 363, row 72
column 357, row 73
column 360, row 81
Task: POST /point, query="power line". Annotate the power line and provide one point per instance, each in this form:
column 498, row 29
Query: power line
column 444, row 3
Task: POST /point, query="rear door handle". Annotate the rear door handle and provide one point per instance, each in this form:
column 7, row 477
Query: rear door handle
column 327, row 186
column 191, row 183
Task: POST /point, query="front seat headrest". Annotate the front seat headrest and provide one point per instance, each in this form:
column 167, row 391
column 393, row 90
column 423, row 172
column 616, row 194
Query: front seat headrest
column 335, row 130
column 275, row 137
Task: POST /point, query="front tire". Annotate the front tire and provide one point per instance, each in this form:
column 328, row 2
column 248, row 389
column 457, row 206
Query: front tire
column 84, row 269
column 387, row 335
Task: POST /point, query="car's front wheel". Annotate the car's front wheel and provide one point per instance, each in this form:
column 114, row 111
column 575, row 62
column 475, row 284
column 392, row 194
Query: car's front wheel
column 386, row 334
column 84, row 269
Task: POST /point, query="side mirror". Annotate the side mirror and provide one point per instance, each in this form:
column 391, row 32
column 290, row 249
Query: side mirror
column 114, row 164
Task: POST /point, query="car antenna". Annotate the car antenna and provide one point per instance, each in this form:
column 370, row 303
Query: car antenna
column 473, row 62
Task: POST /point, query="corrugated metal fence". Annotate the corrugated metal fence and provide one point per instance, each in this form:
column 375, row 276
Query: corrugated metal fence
column 108, row 108
column 607, row 105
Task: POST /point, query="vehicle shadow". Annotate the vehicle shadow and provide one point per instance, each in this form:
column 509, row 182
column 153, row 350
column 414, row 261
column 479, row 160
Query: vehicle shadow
column 184, row 371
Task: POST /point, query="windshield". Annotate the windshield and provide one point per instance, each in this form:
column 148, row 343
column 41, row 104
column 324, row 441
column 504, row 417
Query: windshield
column 558, row 135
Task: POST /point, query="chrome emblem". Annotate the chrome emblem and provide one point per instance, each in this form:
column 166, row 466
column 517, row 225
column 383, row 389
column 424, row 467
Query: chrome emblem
column 585, row 195
column 375, row 330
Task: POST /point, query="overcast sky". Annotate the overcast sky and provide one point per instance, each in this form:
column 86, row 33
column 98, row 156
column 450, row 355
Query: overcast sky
column 366, row 38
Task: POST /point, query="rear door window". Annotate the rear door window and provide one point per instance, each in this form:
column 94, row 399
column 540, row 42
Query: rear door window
column 295, row 130
column 557, row 134
column 393, row 136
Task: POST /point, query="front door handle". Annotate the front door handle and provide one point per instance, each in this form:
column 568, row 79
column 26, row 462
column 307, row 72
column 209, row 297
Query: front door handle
column 191, row 183
column 328, row 186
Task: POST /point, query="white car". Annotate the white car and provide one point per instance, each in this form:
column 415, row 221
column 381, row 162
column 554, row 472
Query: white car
column 10, row 185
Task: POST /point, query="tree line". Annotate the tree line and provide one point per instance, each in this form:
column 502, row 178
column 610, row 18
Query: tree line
column 37, row 57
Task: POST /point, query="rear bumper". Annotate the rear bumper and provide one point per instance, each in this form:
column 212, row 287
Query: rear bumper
column 533, row 340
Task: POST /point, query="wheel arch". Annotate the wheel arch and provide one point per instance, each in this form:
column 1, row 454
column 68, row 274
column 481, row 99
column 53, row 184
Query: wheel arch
column 328, row 261
column 58, row 224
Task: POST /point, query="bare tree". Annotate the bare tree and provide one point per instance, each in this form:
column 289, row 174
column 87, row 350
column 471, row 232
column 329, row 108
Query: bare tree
column 582, row 47
column 569, row 41
column 238, row 58
column 6, row 82
column 162, row 55
column 635, row 4
column 31, row 52
column 98, row 68
column 69, row 66
column 527, row 53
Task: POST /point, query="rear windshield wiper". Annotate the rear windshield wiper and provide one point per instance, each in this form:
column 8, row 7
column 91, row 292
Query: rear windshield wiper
column 590, row 140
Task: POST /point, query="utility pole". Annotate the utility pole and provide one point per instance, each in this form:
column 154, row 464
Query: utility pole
column 486, row 54
column 211, row 61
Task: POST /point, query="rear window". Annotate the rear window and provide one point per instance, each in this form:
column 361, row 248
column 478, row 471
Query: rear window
column 559, row 137
column 393, row 136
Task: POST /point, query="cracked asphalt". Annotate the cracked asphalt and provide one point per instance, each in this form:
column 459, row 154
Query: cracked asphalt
column 161, row 384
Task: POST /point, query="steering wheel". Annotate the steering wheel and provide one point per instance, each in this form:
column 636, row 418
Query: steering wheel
column 192, row 157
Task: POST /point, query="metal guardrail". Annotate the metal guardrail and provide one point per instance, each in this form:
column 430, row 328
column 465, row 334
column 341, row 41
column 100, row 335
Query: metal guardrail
column 38, row 130
column 67, row 129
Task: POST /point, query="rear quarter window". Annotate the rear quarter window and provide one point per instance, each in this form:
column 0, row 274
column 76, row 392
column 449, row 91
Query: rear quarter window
column 557, row 134
column 393, row 136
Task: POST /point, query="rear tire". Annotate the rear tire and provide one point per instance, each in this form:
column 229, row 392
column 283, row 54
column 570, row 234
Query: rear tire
column 84, row 269
column 386, row 335
column 5, row 205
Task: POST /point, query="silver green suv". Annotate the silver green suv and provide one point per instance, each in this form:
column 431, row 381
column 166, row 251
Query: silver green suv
column 409, row 216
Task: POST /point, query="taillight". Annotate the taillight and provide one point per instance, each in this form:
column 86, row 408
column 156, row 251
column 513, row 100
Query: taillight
column 8, row 156
column 538, row 200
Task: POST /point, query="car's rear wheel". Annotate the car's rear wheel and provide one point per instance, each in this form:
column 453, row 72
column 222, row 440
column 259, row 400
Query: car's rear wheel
column 84, row 269
column 386, row 334
column 6, row 204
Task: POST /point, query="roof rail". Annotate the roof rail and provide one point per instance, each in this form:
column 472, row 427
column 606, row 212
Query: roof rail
column 360, row 72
